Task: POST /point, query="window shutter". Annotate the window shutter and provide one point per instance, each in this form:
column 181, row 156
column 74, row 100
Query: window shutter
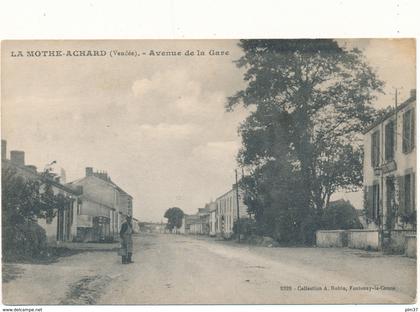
column 401, row 194
column 369, row 201
column 406, row 132
column 389, row 141
column 413, row 191
column 372, row 150
column 413, row 130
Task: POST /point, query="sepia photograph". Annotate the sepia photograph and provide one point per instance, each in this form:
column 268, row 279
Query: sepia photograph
column 217, row 171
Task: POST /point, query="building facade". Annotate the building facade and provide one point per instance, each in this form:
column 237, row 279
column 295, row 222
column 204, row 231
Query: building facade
column 389, row 173
column 212, row 209
column 103, row 207
column 226, row 212
column 190, row 224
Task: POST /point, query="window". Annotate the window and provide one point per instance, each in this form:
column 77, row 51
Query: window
column 407, row 192
column 408, row 141
column 375, row 202
column 375, row 149
column 389, row 141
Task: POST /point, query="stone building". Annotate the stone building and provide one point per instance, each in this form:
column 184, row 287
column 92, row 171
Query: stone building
column 226, row 212
column 389, row 174
column 103, row 206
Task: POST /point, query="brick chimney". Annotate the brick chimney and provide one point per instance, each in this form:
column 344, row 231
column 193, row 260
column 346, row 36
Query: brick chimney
column 413, row 93
column 17, row 158
column 3, row 149
column 89, row 171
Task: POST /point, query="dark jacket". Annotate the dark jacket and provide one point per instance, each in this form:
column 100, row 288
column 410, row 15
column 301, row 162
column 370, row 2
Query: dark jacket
column 124, row 228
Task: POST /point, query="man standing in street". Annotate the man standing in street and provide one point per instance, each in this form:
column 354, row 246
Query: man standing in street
column 126, row 235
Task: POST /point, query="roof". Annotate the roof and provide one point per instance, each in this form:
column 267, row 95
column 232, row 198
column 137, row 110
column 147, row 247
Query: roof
column 203, row 210
column 42, row 178
column 212, row 206
column 119, row 188
column 224, row 194
column 109, row 181
column 390, row 114
column 189, row 219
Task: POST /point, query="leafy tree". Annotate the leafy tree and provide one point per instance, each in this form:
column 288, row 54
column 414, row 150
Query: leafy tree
column 310, row 100
column 174, row 216
column 248, row 227
column 23, row 202
column 341, row 215
column 29, row 199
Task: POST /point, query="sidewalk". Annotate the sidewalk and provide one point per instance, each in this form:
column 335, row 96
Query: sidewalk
column 87, row 246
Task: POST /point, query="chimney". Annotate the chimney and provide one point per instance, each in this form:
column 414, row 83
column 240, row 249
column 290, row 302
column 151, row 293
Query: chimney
column 17, row 158
column 413, row 93
column 89, row 171
column 3, row 149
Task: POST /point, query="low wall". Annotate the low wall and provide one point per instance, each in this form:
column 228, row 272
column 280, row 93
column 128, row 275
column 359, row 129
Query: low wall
column 364, row 239
column 397, row 240
column 411, row 246
column 400, row 241
column 331, row 238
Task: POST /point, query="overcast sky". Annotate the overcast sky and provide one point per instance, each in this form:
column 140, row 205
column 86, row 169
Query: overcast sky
column 157, row 125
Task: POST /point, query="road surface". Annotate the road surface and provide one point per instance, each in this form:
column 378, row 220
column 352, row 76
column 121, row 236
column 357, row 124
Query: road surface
column 177, row 269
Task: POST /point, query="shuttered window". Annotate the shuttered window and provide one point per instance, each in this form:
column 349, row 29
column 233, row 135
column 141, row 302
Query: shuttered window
column 408, row 140
column 389, row 141
column 375, row 149
column 413, row 191
column 372, row 202
column 375, row 202
column 407, row 194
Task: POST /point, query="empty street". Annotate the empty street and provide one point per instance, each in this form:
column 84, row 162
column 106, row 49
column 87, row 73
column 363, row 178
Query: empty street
column 178, row 269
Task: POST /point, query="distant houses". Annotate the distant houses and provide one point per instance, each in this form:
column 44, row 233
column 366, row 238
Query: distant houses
column 97, row 206
column 217, row 217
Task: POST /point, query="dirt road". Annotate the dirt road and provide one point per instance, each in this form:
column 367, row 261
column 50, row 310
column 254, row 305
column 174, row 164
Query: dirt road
column 182, row 269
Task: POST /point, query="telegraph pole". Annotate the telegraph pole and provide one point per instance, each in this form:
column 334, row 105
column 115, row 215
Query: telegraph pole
column 237, row 206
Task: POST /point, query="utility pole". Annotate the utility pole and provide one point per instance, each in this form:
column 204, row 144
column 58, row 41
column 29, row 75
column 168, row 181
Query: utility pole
column 238, row 223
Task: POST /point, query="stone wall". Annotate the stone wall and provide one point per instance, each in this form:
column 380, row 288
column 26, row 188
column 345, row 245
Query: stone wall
column 401, row 241
column 411, row 246
column 398, row 239
column 364, row 239
column 331, row 238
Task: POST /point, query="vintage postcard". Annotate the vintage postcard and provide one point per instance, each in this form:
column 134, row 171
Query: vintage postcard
column 250, row 171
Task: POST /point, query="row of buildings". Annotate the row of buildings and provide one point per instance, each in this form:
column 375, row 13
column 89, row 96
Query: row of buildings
column 217, row 217
column 97, row 205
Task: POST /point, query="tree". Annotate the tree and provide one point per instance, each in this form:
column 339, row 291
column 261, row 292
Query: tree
column 340, row 215
column 310, row 99
column 23, row 202
column 174, row 216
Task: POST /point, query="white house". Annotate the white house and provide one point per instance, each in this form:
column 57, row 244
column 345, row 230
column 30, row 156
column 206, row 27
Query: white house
column 389, row 173
column 226, row 211
column 104, row 206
